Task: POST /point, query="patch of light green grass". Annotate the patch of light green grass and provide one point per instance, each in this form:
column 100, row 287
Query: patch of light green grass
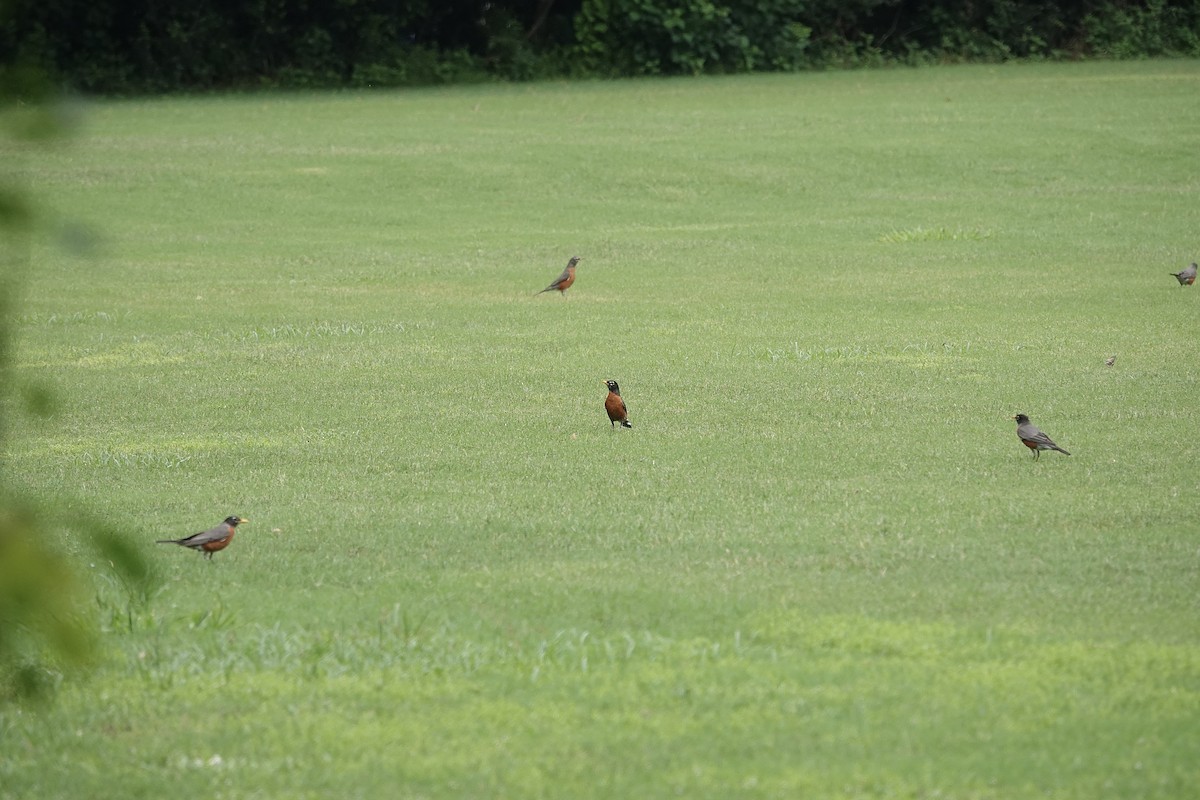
column 838, row 705
column 820, row 562
column 938, row 234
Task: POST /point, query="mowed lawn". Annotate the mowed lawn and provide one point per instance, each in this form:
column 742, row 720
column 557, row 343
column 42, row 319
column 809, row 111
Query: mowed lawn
column 819, row 565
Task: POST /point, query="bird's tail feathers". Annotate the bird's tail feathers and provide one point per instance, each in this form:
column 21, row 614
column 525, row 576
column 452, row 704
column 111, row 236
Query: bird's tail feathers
column 167, row 541
column 1059, row 449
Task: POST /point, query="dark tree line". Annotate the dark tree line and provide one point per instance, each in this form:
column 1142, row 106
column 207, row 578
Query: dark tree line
column 114, row 46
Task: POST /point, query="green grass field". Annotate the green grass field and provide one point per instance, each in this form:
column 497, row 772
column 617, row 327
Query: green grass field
column 820, row 564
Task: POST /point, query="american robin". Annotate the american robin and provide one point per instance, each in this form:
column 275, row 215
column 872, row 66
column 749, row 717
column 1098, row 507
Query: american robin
column 1108, row 362
column 1033, row 438
column 564, row 281
column 1186, row 277
column 211, row 540
column 615, row 406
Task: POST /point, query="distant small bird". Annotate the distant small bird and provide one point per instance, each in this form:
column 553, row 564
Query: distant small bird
column 564, row 281
column 1108, row 362
column 614, row 405
column 1186, row 277
column 211, row 540
column 1033, row 438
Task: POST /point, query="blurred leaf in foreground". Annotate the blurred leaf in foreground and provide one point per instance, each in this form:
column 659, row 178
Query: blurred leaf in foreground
column 46, row 625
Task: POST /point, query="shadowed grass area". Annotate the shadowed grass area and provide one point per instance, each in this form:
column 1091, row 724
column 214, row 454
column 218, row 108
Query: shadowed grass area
column 821, row 562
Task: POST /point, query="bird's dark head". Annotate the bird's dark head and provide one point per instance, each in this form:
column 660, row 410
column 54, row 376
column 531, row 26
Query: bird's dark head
column 233, row 522
column 612, row 387
column 574, row 260
column 1021, row 418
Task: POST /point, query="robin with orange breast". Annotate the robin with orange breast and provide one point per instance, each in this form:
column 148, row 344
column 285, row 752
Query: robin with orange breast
column 614, row 406
column 1033, row 438
column 564, row 281
column 1186, row 277
column 211, row 540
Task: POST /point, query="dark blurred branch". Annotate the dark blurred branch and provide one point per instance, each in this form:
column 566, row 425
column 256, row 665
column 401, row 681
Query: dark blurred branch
column 544, row 7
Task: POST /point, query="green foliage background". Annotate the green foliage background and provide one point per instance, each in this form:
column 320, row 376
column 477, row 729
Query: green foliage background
column 141, row 46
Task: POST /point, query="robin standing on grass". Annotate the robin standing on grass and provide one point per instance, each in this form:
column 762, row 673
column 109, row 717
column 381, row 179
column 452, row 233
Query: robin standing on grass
column 1186, row 277
column 211, row 540
column 564, row 281
column 614, row 406
column 1033, row 438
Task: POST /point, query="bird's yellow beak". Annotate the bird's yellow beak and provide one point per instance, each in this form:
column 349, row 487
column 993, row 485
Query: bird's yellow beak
column 242, row 520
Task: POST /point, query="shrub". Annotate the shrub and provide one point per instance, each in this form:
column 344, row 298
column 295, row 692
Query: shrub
column 116, row 46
